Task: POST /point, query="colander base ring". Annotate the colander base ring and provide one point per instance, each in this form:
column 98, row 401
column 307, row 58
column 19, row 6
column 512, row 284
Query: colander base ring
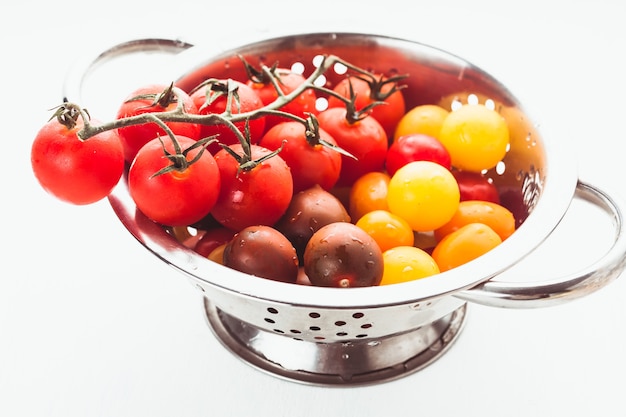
column 361, row 362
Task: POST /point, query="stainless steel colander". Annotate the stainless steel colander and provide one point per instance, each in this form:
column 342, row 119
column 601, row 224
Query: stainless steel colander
column 358, row 336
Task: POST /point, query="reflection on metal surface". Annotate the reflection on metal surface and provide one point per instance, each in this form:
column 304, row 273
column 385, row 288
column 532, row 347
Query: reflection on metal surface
column 349, row 363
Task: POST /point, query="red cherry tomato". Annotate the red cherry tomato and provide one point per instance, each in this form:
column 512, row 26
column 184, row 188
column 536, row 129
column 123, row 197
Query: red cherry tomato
column 365, row 139
column 151, row 99
column 213, row 238
column 415, row 147
column 74, row 170
column 180, row 196
column 475, row 186
column 312, row 162
column 213, row 97
column 288, row 81
column 256, row 196
column 387, row 114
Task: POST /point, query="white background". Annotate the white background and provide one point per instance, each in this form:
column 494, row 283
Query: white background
column 91, row 324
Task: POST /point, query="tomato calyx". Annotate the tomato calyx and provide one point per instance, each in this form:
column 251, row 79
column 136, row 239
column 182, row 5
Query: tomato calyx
column 265, row 75
column 162, row 99
column 245, row 161
column 313, row 137
column 215, row 89
column 67, row 114
column 377, row 85
column 178, row 159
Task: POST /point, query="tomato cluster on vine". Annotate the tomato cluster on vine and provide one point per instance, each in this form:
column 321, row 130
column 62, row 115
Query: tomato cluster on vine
column 253, row 175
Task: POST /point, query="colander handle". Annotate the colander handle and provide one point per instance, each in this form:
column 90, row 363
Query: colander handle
column 80, row 69
column 496, row 293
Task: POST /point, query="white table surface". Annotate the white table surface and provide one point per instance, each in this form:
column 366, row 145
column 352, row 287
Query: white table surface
column 91, row 324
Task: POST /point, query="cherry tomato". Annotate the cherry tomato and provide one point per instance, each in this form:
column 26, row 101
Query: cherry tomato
column 365, row 140
column 180, row 196
column 217, row 254
column 475, row 186
column 493, row 215
column 152, row 99
column 213, row 238
column 343, row 255
column 476, row 136
column 407, row 263
column 387, row 229
column 368, row 193
column 288, row 81
column 311, row 162
column 425, row 119
column 310, row 210
column 465, row 244
column 264, row 252
column 387, row 114
column 423, row 193
column 416, row 147
column 212, row 99
column 73, row 170
column 253, row 196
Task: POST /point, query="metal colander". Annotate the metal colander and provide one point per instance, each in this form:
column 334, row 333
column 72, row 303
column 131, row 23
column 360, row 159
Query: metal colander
column 341, row 337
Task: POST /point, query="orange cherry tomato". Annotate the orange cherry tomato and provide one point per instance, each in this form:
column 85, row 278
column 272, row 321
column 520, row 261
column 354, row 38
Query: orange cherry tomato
column 368, row 193
column 464, row 245
column 497, row 217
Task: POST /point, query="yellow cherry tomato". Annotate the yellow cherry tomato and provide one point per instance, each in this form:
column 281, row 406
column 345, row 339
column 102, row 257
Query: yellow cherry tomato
column 368, row 193
column 387, row 229
column 423, row 193
column 426, row 119
column 407, row 263
column 499, row 218
column 476, row 137
column 465, row 244
column 217, row 254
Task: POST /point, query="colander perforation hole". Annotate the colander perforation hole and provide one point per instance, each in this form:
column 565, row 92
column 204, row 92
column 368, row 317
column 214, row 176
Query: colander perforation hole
column 358, row 315
column 340, row 323
column 270, row 320
column 314, row 315
column 315, row 328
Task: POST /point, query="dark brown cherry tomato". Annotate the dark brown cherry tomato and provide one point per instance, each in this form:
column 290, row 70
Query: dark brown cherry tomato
column 309, row 211
column 264, row 252
column 343, row 255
